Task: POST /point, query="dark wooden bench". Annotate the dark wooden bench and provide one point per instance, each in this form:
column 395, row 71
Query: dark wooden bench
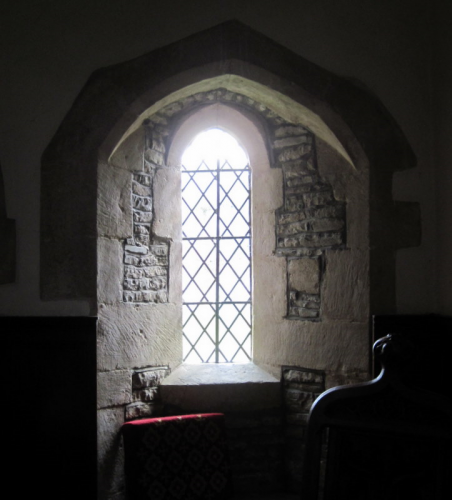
column 379, row 440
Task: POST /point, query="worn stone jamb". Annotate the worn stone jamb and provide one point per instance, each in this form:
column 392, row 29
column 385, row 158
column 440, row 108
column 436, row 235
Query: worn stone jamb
column 310, row 221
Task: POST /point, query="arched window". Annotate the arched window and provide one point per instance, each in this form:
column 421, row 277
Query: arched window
column 216, row 250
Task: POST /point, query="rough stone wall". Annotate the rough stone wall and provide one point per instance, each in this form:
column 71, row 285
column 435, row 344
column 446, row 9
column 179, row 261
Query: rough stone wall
column 300, row 389
column 139, row 322
column 139, row 325
column 310, row 221
column 122, row 395
column 145, row 257
column 145, row 393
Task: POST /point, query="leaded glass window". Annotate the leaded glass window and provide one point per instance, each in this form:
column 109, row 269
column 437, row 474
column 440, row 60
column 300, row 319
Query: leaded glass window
column 216, row 250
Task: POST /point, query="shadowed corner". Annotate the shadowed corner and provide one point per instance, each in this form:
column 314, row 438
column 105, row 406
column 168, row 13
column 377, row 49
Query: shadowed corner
column 8, row 240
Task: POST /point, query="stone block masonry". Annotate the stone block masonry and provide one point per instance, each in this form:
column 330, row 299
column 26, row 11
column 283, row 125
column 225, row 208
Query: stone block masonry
column 146, row 400
column 146, row 261
column 300, row 389
column 309, row 222
column 303, row 282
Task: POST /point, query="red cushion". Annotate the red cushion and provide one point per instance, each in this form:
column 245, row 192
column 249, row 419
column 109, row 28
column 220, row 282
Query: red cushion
column 177, row 458
column 147, row 421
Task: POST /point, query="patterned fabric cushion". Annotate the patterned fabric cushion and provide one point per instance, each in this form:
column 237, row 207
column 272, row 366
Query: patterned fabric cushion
column 173, row 458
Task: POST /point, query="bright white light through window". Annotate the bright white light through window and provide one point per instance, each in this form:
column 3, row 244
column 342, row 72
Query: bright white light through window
column 216, row 262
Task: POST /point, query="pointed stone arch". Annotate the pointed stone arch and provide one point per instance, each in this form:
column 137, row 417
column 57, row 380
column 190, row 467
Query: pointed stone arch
column 115, row 97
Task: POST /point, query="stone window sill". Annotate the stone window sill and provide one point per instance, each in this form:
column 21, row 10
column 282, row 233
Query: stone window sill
column 221, row 387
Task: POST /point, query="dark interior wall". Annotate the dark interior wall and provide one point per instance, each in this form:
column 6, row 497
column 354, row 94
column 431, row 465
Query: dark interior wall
column 50, row 48
column 442, row 76
column 49, row 410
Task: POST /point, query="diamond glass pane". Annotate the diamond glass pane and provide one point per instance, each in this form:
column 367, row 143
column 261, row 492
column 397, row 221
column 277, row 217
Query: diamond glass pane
column 234, row 202
column 216, row 263
column 235, row 270
column 199, row 332
column 198, row 271
column 235, row 331
column 199, row 199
